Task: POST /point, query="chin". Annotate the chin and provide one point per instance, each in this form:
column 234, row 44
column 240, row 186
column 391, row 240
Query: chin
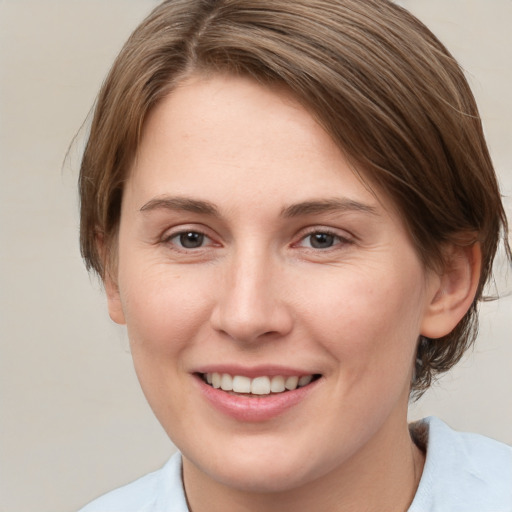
column 263, row 468
column 272, row 478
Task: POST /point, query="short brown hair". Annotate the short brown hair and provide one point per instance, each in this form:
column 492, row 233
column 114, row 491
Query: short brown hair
column 382, row 85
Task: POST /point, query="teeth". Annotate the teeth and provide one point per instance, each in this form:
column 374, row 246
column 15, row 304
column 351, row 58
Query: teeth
column 241, row 384
column 226, row 382
column 258, row 386
column 305, row 380
column 291, row 383
column 216, row 378
column 277, row 384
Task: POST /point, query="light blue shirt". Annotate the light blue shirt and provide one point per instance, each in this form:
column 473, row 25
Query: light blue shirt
column 462, row 473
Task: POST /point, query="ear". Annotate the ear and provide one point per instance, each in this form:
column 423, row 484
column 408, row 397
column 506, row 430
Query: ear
column 115, row 307
column 454, row 290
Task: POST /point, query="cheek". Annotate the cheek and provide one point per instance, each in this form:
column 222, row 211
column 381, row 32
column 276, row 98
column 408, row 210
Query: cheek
column 164, row 313
column 163, row 308
column 370, row 321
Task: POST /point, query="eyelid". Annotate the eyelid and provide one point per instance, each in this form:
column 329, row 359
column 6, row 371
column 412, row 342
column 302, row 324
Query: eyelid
column 181, row 229
column 344, row 236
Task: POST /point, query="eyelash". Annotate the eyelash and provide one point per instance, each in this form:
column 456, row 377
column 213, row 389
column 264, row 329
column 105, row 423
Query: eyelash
column 339, row 239
column 178, row 245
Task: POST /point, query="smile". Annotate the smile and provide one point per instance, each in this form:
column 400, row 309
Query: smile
column 256, row 397
column 262, row 385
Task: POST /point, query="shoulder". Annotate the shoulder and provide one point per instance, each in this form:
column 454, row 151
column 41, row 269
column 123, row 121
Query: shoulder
column 155, row 492
column 466, row 472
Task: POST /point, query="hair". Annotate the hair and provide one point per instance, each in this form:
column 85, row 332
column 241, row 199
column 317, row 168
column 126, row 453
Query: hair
column 380, row 83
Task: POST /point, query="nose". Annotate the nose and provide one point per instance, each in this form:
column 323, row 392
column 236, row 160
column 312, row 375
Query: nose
column 251, row 304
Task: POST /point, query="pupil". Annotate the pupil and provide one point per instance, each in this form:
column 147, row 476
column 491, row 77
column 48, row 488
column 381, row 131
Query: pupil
column 322, row 240
column 191, row 240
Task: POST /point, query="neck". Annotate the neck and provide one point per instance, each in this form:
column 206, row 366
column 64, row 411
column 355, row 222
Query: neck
column 382, row 477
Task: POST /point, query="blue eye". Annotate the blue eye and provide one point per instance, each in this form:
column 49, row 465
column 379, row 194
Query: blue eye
column 189, row 239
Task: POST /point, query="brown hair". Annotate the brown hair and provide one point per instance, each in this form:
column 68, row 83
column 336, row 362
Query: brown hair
column 382, row 85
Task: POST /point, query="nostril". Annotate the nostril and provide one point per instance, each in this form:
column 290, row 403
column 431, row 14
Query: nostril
column 248, row 327
column 249, row 305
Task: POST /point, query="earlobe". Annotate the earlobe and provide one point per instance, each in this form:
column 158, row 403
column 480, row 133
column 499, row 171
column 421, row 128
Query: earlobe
column 454, row 292
column 115, row 308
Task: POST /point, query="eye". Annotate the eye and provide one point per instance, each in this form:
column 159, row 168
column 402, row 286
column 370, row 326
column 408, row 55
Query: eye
column 322, row 240
column 188, row 240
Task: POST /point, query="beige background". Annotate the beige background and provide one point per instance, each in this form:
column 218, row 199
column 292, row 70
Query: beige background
column 73, row 422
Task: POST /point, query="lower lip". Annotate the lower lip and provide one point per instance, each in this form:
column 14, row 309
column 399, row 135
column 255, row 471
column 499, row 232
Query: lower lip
column 254, row 409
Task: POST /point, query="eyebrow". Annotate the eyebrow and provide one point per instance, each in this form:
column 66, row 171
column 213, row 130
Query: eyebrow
column 181, row 203
column 326, row 206
column 313, row 207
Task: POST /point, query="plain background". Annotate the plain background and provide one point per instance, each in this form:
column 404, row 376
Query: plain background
column 73, row 421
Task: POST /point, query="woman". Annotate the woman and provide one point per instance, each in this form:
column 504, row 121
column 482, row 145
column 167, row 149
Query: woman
column 293, row 210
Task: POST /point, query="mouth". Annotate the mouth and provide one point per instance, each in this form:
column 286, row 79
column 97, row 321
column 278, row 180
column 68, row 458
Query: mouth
column 259, row 386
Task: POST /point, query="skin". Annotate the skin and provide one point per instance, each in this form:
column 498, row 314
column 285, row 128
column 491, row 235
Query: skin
column 228, row 159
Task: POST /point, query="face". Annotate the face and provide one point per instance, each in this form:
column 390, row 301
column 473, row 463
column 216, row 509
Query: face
column 250, row 255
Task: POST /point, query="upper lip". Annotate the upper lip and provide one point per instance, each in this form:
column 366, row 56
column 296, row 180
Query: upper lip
column 254, row 371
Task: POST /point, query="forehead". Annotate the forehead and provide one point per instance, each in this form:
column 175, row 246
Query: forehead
column 229, row 130
column 228, row 115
